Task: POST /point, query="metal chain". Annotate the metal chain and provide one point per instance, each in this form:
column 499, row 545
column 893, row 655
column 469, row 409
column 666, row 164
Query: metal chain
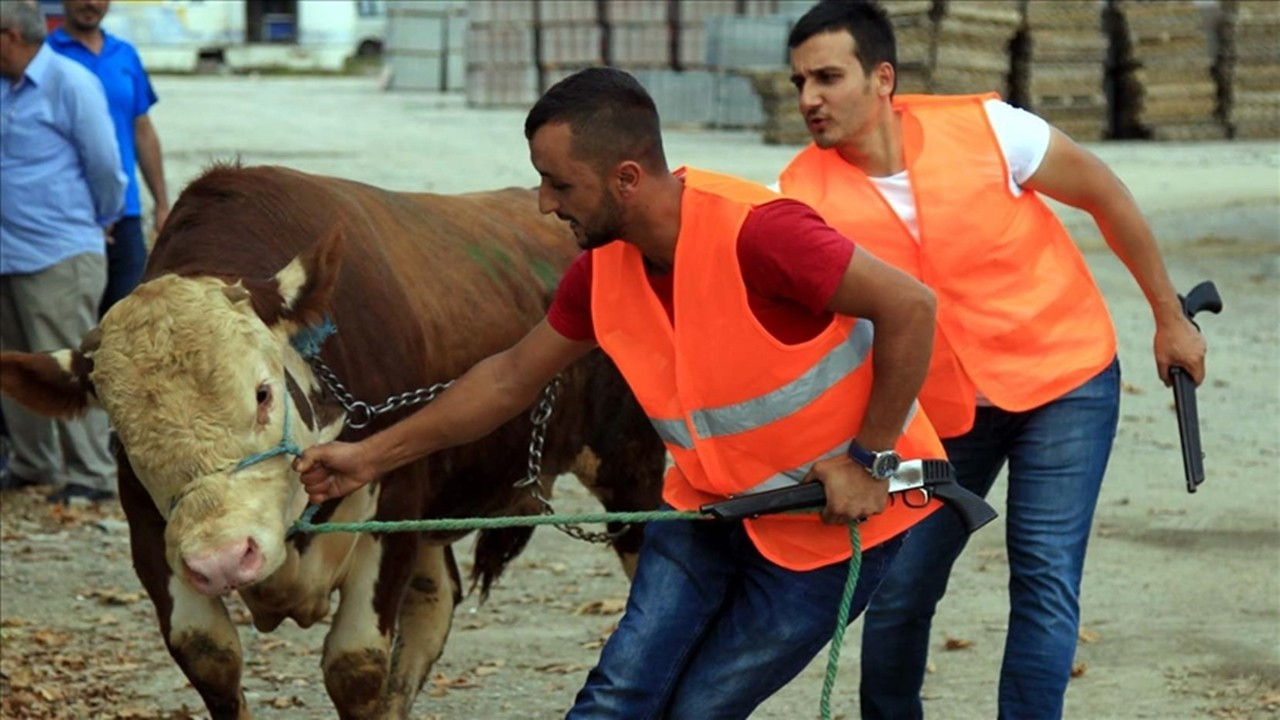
column 539, row 416
column 360, row 414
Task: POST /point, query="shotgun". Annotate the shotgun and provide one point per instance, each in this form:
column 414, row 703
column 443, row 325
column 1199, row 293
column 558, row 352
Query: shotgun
column 1202, row 297
column 933, row 478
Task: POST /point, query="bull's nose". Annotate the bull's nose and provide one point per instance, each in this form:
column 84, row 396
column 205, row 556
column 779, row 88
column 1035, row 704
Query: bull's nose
column 225, row 569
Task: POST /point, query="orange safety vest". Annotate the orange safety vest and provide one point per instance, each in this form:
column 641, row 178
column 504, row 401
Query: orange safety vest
column 740, row 411
column 1019, row 316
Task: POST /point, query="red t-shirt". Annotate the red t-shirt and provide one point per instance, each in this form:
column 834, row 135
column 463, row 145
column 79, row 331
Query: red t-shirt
column 791, row 261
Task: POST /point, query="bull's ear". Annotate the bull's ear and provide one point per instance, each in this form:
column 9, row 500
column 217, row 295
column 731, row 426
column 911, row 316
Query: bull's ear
column 52, row 384
column 308, row 282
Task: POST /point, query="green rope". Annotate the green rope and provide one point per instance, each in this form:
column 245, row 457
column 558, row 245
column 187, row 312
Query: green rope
column 842, row 621
column 489, row 523
column 304, row 525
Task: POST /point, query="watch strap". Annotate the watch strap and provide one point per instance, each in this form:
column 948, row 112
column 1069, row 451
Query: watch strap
column 861, row 455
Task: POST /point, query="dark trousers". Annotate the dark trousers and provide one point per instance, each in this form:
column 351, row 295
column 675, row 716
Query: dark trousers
column 1057, row 455
column 126, row 259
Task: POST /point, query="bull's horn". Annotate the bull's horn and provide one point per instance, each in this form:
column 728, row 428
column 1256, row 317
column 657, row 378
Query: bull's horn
column 236, row 293
column 91, row 341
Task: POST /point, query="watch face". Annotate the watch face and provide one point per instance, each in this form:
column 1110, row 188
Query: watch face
column 885, row 465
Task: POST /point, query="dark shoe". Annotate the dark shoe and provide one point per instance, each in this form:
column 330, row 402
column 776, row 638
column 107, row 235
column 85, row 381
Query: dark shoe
column 65, row 494
column 4, row 461
column 14, row 481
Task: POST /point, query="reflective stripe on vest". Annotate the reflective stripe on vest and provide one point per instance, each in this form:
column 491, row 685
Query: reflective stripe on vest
column 673, row 432
column 796, row 475
column 790, row 398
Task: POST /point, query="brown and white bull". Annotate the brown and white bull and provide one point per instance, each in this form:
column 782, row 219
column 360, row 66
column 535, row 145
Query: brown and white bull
column 197, row 373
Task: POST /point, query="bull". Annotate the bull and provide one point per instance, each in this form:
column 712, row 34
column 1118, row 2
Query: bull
column 204, row 380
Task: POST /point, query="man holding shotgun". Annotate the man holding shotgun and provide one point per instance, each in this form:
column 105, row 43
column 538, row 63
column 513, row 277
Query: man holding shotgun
column 742, row 323
column 948, row 189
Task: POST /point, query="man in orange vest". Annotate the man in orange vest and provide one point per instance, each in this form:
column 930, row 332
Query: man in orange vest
column 1024, row 367
column 742, row 322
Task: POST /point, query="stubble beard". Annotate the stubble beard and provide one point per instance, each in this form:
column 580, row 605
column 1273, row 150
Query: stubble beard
column 605, row 232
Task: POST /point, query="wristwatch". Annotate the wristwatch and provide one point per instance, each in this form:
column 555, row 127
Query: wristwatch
column 880, row 464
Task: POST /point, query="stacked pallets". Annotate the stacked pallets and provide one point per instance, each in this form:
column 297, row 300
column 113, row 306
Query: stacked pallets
column 1063, row 70
column 1249, row 69
column 914, row 28
column 691, row 30
column 736, row 47
column 1163, row 73
column 502, row 69
column 639, row 34
column 425, row 45
column 783, row 124
column 570, row 37
column 971, row 45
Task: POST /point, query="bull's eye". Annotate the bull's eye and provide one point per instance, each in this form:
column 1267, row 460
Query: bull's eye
column 264, row 394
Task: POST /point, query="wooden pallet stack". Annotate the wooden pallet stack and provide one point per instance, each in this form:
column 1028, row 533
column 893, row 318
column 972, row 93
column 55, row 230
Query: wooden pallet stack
column 1248, row 69
column 638, row 34
column 502, row 62
column 914, row 29
column 1164, row 86
column 971, row 45
column 783, row 124
column 691, row 29
column 570, row 38
column 1065, row 67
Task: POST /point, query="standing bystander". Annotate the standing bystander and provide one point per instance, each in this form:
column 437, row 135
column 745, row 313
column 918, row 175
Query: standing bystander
column 129, row 97
column 1024, row 369
column 61, row 185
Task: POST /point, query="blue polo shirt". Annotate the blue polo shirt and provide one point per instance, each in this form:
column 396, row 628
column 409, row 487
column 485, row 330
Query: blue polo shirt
column 129, row 95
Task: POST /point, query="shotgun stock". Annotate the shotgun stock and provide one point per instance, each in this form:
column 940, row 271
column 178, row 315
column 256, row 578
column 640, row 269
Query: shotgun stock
column 935, row 478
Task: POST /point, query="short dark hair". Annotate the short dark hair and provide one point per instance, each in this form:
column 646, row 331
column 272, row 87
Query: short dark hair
column 865, row 20
column 611, row 115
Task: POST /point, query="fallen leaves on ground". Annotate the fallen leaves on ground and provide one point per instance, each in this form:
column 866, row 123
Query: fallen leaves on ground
column 561, row 668
column 602, row 606
column 56, row 675
column 112, row 596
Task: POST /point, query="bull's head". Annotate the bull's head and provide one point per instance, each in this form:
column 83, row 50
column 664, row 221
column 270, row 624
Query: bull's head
column 195, row 381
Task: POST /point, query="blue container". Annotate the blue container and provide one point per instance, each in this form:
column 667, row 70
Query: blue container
column 279, row 27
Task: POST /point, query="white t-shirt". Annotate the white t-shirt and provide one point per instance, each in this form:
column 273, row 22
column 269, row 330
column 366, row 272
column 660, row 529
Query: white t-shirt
column 1022, row 136
column 1024, row 140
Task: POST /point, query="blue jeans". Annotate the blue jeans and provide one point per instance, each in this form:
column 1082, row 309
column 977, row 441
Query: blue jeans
column 1057, row 455
column 126, row 259
column 712, row 628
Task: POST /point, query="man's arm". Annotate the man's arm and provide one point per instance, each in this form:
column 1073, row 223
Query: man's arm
column 1071, row 174
column 902, row 311
column 492, row 392
column 151, row 161
column 94, row 138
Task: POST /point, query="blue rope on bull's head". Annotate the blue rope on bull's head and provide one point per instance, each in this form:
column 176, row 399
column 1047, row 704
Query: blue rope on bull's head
column 286, row 446
column 310, row 339
column 307, row 342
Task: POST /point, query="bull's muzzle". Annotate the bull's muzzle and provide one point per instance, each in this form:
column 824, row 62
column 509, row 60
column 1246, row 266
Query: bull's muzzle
column 227, row 568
